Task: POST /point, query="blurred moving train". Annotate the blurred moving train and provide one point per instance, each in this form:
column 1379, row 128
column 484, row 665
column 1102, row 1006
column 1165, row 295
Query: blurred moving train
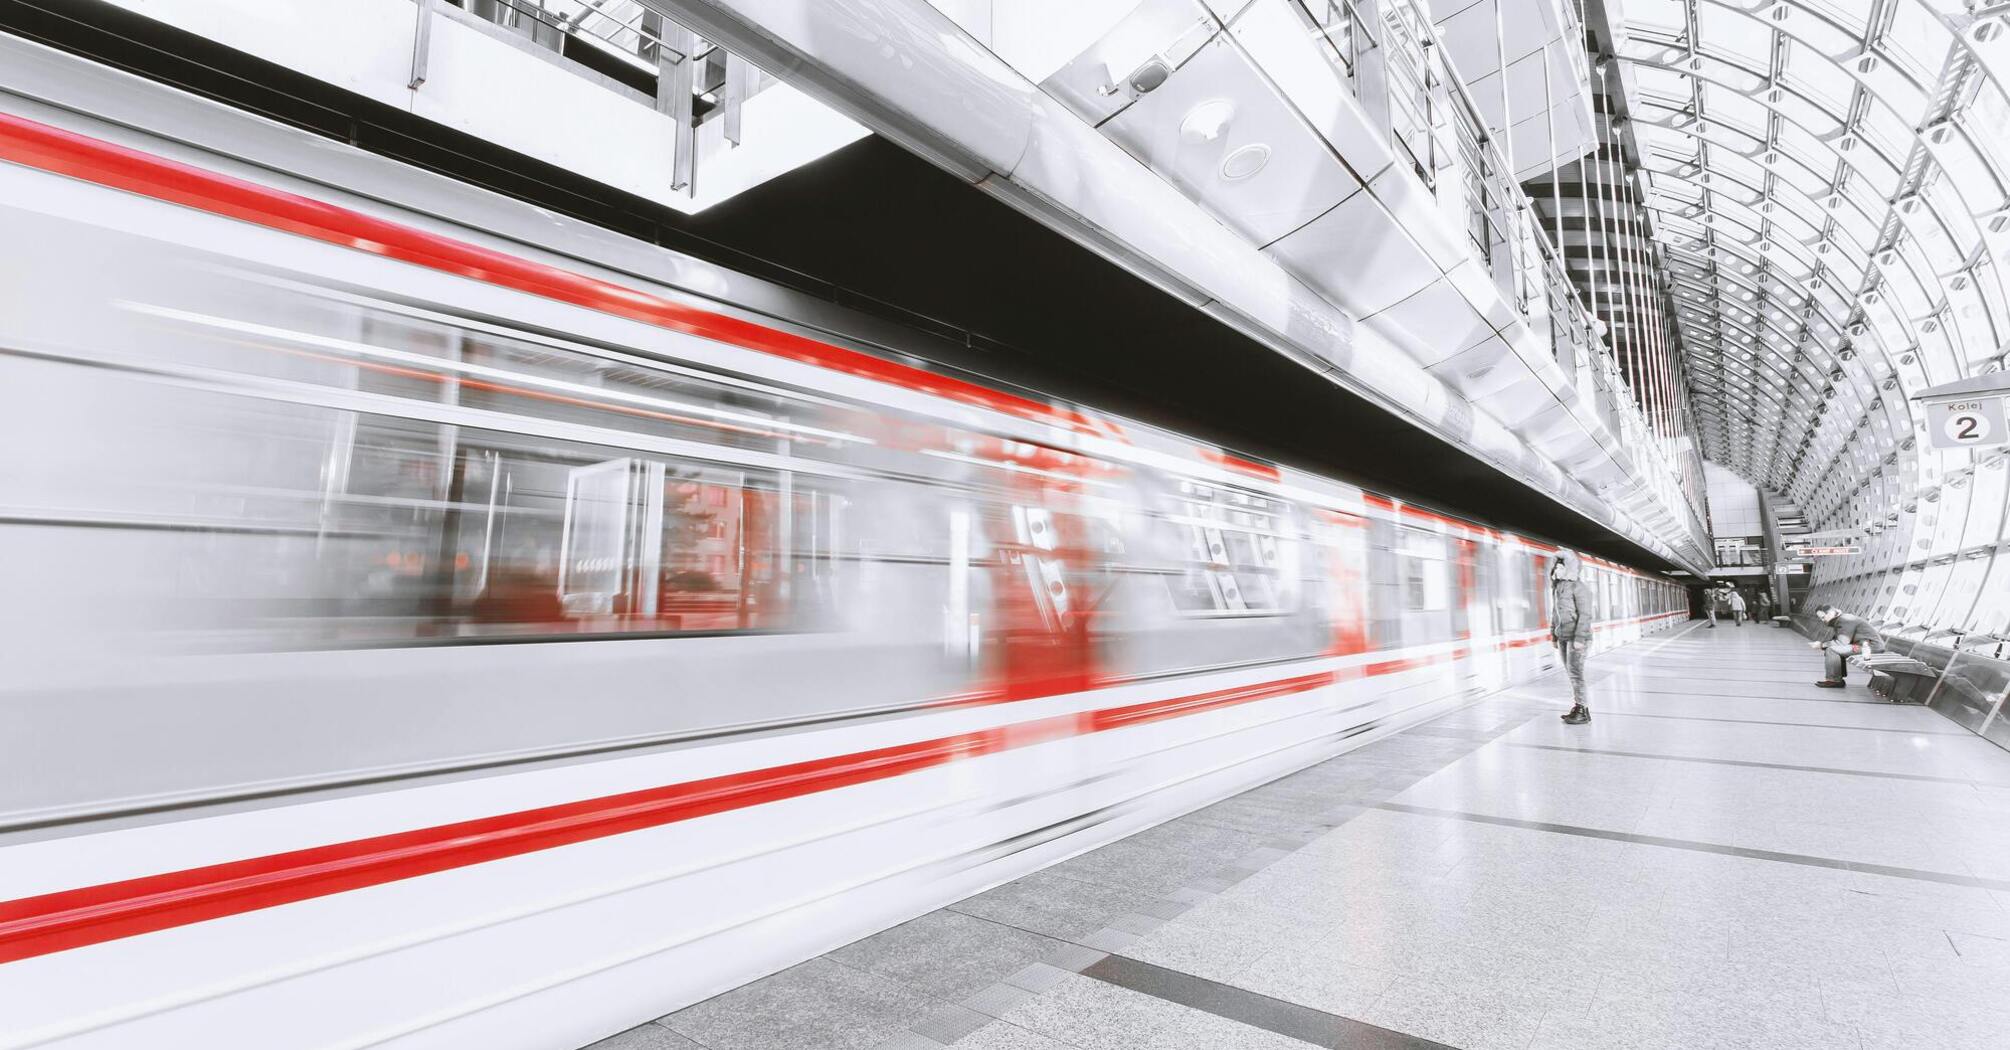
column 419, row 637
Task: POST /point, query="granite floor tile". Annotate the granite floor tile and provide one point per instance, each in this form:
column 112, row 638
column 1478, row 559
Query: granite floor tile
column 1193, row 1029
column 1458, row 1017
column 1260, row 818
column 1607, row 1030
column 1320, row 979
column 1195, row 838
column 1091, row 1015
column 946, row 953
column 1128, row 866
column 1050, row 903
column 950, row 1023
column 1712, row 1026
column 1218, row 955
column 1001, row 1036
column 818, row 1005
column 998, row 999
column 650, row 1036
column 1904, row 1023
column 1250, row 915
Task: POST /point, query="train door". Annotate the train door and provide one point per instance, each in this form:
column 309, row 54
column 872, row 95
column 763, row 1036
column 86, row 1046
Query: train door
column 607, row 564
column 1489, row 656
column 1468, row 615
column 1342, row 542
column 1053, row 567
column 1538, row 582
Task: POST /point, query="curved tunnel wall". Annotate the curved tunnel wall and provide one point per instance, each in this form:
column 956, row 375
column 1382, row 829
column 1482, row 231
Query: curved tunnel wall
column 1830, row 184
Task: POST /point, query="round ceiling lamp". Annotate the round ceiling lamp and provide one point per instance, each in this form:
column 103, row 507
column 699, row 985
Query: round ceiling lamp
column 1207, row 121
column 1245, row 161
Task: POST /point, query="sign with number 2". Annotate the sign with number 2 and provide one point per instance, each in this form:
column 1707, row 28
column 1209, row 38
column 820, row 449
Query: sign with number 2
column 1968, row 423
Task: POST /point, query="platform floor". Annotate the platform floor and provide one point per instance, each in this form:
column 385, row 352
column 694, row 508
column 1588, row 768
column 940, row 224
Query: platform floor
column 1726, row 857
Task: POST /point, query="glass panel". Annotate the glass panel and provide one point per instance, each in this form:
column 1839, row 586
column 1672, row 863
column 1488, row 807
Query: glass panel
column 1665, row 15
column 1238, row 551
column 1850, row 13
column 1424, row 576
column 1992, row 607
column 1990, row 111
column 456, row 532
column 1917, row 40
column 1810, row 73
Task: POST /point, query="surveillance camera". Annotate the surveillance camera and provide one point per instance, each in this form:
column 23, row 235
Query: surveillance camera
column 1149, row 76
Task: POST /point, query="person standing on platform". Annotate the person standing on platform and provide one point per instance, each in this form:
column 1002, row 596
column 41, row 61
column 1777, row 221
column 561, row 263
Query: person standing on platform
column 1765, row 607
column 1850, row 636
column 1736, row 600
column 1570, row 619
column 1710, row 597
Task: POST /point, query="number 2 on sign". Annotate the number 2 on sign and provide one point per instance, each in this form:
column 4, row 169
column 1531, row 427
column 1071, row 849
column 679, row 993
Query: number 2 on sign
column 1967, row 426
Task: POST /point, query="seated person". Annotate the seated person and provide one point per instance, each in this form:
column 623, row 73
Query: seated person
column 1852, row 637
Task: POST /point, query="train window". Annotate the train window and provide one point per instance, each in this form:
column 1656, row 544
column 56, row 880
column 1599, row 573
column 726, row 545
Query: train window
column 1385, row 601
column 1539, row 582
column 429, row 531
column 1424, row 575
column 1239, row 552
column 1516, row 602
column 436, row 361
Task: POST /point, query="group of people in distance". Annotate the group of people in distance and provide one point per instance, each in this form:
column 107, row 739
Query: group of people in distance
column 1572, row 617
column 1724, row 599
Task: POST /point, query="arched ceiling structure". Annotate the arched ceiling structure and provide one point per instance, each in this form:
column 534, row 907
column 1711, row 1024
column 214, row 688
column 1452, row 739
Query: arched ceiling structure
column 1829, row 184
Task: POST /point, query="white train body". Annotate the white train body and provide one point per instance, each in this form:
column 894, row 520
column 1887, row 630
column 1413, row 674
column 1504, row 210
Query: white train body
column 418, row 638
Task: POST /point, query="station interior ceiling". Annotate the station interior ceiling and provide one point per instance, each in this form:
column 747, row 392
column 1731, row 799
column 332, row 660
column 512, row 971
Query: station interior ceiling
column 1826, row 183
column 1827, row 192
column 1008, row 298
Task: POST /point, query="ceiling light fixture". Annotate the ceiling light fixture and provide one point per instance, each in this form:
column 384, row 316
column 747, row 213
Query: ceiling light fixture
column 1245, row 161
column 1207, row 121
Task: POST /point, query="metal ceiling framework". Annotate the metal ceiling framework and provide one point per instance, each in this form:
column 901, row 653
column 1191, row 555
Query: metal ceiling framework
column 1826, row 181
column 1592, row 206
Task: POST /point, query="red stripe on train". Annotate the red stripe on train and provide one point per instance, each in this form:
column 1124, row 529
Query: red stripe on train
column 54, row 922
column 1250, row 467
column 67, row 919
column 36, row 145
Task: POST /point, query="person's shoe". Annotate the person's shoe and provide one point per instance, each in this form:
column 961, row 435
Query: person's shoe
column 1829, row 683
column 1713, row 626
column 1577, row 715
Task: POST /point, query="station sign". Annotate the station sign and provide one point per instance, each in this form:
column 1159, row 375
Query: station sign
column 1822, row 552
column 1974, row 422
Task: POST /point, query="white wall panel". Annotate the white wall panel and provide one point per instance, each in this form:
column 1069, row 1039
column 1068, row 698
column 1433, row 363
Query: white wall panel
column 363, row 46
column 488, row 88
column 1734, row 503
column 487, row 83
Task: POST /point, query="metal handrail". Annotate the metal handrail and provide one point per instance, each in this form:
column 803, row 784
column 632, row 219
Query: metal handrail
column 1500, row 220
column 1497, row 208
column 1338, row 24
column 630, row 38
column 1409, row 66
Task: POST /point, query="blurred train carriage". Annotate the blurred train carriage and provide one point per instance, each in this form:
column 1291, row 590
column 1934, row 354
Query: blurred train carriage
column 333, row 469
column 330, row 520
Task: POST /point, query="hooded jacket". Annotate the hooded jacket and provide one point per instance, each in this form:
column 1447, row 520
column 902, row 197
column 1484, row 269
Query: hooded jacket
column 1570, row 610
column 1856, row 631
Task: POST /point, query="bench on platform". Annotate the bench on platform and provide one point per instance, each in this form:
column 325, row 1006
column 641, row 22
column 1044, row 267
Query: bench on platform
column 1899, row 679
